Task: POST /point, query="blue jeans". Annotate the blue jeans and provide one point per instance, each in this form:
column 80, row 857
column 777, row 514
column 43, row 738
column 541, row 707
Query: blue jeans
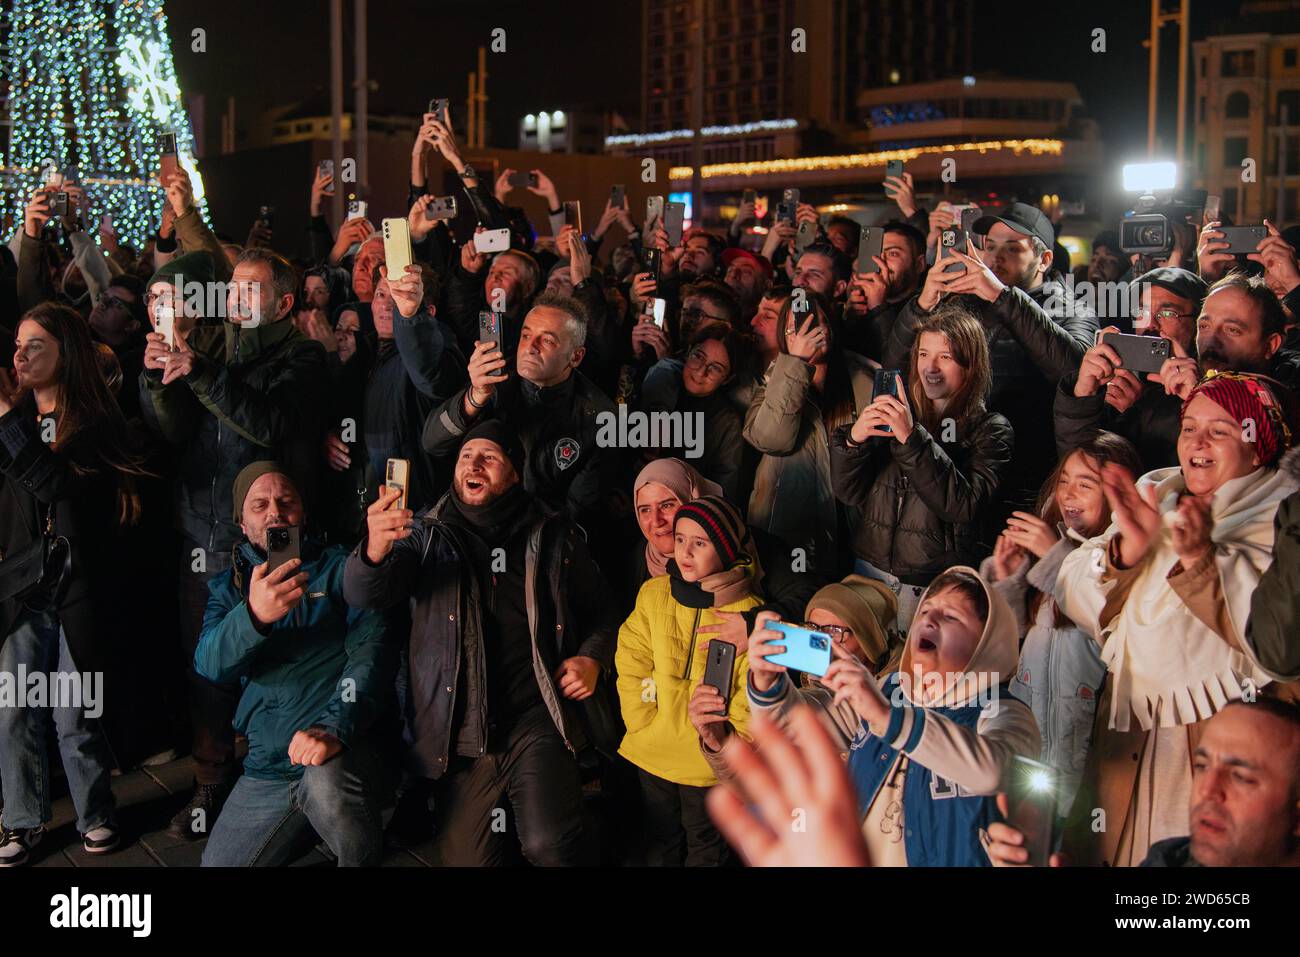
column 271, row 823
column 37, row 642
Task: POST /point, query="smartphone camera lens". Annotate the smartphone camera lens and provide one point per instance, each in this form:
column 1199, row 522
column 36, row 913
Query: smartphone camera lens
column 819, row 643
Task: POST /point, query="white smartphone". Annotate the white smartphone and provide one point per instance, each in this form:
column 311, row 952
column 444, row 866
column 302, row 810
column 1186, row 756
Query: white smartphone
column 106, row 224
column 397, row 247
column 492, row 240
column 164, row 322
column 357, row 209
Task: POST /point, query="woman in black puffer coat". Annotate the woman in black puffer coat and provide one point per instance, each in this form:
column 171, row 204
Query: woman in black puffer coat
column 925, row 468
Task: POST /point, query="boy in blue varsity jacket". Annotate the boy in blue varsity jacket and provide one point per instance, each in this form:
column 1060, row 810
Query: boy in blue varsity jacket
column 929, row 745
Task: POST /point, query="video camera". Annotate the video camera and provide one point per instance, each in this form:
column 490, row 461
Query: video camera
column 1147, row 228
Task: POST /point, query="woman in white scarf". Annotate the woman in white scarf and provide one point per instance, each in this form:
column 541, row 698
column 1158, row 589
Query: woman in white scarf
column 1166, row 593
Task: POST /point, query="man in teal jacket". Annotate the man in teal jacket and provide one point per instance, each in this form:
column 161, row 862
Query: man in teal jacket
column 315, row 675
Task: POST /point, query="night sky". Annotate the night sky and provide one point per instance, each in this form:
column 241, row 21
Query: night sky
column 575, row 51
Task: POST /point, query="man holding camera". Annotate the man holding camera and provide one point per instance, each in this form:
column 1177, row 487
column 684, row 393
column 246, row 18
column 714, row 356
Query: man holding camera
column 511, row 628
column 316, row 676
column 226, row 394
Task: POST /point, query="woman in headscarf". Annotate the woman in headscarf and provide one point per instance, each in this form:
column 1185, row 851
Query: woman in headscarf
column 664, row 486
column 1166, row 591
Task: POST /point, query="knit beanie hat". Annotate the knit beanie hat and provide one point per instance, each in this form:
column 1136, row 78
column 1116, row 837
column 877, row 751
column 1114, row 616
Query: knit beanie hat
column 722, row 522
column 192, row 267
column 249, row 474
column 863, row 604
column 1248, row 397
column 496, row 431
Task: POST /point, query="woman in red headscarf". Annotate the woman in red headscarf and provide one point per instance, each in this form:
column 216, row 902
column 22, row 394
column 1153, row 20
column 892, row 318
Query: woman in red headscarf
column 1166, row 591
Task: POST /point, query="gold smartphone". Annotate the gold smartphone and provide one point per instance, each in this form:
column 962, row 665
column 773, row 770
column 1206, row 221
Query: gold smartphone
column 397, row 248
column 398, row 475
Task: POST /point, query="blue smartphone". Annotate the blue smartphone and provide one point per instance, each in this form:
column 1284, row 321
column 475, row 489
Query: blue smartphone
column 805, row 650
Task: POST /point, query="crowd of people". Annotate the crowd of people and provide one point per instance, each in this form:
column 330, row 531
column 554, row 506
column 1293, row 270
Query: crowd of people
column 533, row 641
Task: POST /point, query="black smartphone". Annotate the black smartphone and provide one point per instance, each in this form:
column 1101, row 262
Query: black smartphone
column 1139, row 353
column 617, row 195
column 444, row 207
column 749, row 196
column 71, row 175
column 167, row 144
column 489, row 327
column 521, row 179
column 281, row 545
column 893, row 168
column 1031, row 803
column 888, row 382
column 791, row 198
column 785, row 212
column 652, row 261
column 59, row 206
column 674, row 217
column 949, row 240
column 438, row 107
column 266, row 217
column 871, row 243
column 719, row 668
column 1242, row 239
column 573, row 214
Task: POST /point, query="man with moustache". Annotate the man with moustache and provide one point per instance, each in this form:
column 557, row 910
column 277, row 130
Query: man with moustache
column 511, row 628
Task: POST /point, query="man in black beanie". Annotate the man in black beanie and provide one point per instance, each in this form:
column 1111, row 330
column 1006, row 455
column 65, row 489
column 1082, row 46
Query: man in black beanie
column 511, row 629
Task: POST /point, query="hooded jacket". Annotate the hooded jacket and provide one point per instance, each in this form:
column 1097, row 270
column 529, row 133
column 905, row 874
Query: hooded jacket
column 293, row 671
column 959, row 748
column 252, row 394
column 660, row 661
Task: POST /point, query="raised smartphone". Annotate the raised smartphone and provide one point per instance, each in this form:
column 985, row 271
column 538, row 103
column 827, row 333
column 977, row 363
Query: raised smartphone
column 397, row 247
column 282, row 545
column 805, row 650
column 1139, row 353
column 871, row 243
column 397, row 474
column 718, row 669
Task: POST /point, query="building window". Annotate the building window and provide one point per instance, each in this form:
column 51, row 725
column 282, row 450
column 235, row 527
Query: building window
column 1237, row 106
column 1229, row 204
column 1201, row 110
column 1291, row 100
column 1204, row 60
column 1238, row 63
column 1234, row 150
column 1289, row 58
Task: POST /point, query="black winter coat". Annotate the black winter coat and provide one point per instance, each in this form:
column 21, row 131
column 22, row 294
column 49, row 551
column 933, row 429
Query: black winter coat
column 923, row 502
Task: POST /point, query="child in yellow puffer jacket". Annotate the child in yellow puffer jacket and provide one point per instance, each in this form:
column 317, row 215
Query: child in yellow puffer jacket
column 660, row 661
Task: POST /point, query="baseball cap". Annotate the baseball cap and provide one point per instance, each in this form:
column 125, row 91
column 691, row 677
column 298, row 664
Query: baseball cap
column 1180, row 282
column 1024, row 219
column 731, row 255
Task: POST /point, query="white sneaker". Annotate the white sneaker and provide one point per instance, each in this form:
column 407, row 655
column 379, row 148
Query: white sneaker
column 16, row 844
column 100, row 840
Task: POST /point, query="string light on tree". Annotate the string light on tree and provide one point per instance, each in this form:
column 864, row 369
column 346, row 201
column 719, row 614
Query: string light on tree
column 93, row 83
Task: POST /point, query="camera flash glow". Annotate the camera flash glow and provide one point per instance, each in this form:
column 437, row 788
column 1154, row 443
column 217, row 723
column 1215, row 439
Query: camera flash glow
column 1040, row 781
column 1149, row 177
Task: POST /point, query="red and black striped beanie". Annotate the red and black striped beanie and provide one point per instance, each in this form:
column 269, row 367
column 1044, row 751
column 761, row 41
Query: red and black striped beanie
column 722, row 522
column 1248, row 397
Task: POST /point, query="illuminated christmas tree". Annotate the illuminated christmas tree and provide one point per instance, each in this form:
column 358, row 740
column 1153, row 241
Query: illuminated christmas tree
column 92, row 83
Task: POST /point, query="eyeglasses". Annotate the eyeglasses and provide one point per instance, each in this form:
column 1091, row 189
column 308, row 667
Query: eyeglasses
column 695, row 312
column 112, row 302
column 714, row 370
column 1166, row 312
column 838, row 635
